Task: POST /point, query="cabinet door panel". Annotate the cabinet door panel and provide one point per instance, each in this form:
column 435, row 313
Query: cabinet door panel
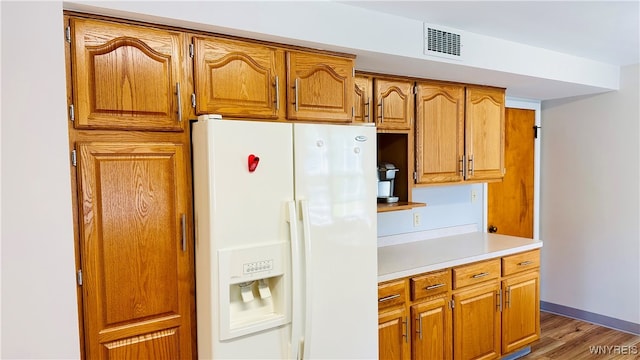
column 394, row 104
column 125, row 77
column 431, row 335
column 320, row 87
column 362, row 99
column 136, row 268
column 484, row 133
column 439, row 133
column 521, row 314
column 393, row 342
column 476, row 323
column 238, row 79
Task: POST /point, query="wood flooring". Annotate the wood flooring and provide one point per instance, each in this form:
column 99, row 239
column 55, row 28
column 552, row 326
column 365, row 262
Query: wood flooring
column 564, row 338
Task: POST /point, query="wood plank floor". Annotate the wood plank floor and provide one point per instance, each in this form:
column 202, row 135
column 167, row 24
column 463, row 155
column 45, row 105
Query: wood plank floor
column 568, row 339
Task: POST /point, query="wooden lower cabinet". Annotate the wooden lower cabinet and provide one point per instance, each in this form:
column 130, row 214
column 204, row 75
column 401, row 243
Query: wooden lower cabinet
column 521, row 313
column 393, row 337
column 481, row 310
column 476, row 322
column 431, row 330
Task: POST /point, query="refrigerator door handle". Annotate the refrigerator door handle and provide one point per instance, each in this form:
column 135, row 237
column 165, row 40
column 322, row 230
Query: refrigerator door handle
column 306, row 233
column 296, row 309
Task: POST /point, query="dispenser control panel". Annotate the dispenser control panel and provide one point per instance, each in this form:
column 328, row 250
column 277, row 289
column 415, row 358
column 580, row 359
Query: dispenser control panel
column 257, row 266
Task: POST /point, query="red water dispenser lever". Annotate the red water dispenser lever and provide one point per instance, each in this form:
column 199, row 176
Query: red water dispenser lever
column 253, row 162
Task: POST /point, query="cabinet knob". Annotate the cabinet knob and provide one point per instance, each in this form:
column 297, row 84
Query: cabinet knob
column 492, row 228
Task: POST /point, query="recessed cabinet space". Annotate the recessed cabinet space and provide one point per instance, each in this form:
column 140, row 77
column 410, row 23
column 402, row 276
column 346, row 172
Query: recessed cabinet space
column 239, row 79
column 393, row 103
column 319, row 87
column 396, row 148
column 127, row 77
column 459, row 133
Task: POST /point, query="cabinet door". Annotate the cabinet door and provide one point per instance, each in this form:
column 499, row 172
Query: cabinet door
column 393, row 335
column 476, row 323
column 439, row 133
column 431, row 337
column 393, row 104
column 126, row 77
column 137, row 274
column 362, row 99
column 484, row 133
column 521, row 314
column 320, row 87
column 238, row 79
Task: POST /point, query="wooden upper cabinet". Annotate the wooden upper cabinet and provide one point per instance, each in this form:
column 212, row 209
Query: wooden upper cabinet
column 393, row 104
column 136, row 263
column 238, row 78
column 485, row 132
column 362, row 101
column 320, row 87
column 439, row 133
column 126, row 76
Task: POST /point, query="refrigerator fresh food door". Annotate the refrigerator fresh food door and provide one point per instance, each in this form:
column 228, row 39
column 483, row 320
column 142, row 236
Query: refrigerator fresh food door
column 243, row 184
column 335, row 188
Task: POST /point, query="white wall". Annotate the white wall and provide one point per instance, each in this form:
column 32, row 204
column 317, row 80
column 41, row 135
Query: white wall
column 39, row 313
column 590, row 204
column 447, row 206
column 384, row 43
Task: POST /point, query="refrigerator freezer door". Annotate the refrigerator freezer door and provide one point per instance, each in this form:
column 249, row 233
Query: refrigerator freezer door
column 240, row 202
column 335, row 186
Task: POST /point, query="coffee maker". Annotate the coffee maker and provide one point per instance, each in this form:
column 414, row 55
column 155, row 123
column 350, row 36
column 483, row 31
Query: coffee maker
column 386, row 177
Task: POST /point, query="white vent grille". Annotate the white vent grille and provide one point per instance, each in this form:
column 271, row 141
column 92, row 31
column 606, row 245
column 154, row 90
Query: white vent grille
column 442, row 42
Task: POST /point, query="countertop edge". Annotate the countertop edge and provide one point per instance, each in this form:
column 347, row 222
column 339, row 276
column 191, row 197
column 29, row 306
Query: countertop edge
column 458, row 261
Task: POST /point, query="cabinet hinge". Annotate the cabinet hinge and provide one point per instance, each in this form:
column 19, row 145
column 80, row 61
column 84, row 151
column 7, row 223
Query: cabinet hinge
column 67, row 34
column 415, row 175
column 353, row 71
column 452, row 304
column 72, row 113
column 191, row 51
column 414, row 89
column 193, row 100
column 74, row 158
column 353, row 112
column 79, row 277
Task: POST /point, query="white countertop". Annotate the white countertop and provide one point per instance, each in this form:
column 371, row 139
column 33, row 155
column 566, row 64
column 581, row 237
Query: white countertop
column 416, row 257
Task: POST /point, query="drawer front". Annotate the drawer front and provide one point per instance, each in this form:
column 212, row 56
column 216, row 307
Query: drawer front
column 391, row 294
column 476, row 273
column 513, row 264
column 430, row 284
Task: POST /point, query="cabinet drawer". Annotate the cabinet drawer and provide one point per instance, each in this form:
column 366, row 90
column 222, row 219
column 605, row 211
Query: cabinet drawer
column 430, row 284
column 520, row 262
column 391, row 293
column 476, row 273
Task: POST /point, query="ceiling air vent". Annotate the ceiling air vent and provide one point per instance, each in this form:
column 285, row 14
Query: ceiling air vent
column 439, row 41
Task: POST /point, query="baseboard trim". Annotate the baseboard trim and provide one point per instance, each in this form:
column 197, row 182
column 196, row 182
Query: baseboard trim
column 578, row 314
column 518, row 354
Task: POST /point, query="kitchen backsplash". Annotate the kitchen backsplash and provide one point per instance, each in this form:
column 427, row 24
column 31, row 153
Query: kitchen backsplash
column 447, row 206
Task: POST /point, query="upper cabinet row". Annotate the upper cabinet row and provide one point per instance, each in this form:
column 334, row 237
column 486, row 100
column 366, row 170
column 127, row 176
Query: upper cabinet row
column 131, row 77
column 458, row 129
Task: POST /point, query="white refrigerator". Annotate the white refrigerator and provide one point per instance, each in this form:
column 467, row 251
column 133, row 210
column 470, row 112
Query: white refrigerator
column 286, row 253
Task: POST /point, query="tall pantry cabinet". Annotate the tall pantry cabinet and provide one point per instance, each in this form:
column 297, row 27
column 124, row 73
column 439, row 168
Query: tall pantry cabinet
column 129, row 137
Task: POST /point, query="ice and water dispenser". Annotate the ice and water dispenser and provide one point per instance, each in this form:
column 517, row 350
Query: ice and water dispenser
column 254, row 289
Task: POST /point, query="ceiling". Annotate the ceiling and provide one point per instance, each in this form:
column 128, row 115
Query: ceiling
column 604, row 31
